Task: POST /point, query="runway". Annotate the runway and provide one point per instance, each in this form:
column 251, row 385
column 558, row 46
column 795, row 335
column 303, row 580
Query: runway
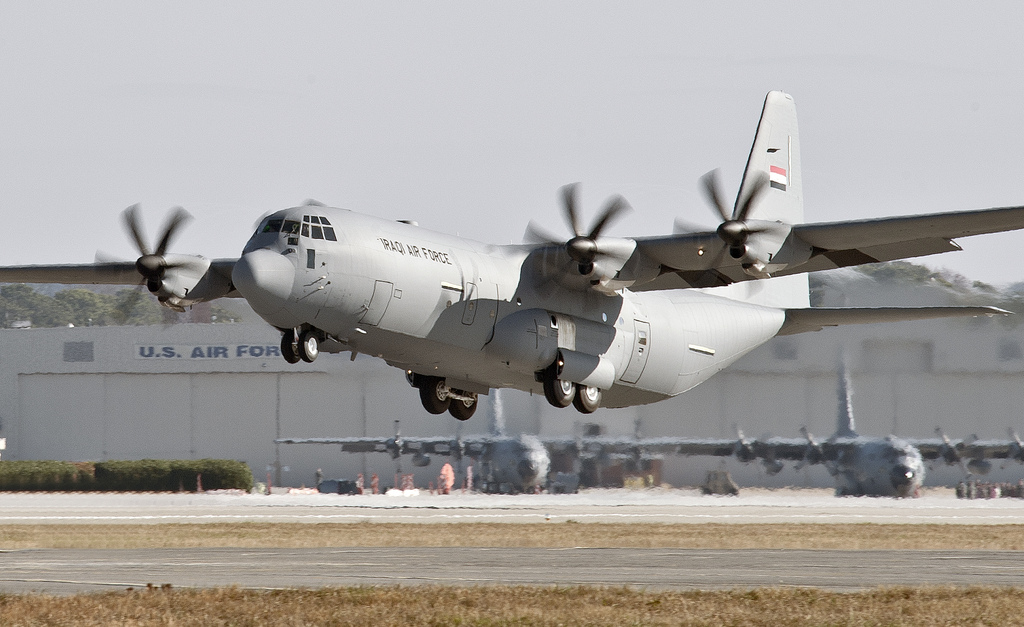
column 83, row 570
column 661, row 506
column 71, row 571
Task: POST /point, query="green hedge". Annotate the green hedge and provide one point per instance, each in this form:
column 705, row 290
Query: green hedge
column 143, row 475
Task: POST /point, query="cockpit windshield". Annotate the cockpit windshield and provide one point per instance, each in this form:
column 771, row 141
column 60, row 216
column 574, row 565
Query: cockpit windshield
column 317, row 227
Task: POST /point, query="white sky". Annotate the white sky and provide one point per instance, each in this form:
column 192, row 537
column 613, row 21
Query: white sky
column 468, row 116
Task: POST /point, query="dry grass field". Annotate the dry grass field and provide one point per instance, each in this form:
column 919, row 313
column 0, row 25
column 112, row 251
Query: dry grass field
column 494, row 606
column 554, row 535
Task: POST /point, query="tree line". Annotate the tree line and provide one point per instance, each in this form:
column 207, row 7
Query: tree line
column 23, row 305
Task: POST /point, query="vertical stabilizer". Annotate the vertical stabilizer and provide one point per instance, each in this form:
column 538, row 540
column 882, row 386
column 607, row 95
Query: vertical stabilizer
column 776, row 153
column 844, row 419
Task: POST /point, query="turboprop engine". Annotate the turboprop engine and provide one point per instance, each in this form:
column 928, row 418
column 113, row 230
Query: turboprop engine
column 176, row 280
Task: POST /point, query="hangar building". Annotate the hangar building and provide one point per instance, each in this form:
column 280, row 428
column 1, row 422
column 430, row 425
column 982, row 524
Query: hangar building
column 222, row 390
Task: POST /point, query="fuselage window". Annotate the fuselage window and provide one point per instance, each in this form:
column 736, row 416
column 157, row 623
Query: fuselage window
column 329, row 233
column 314, row 219
column 272, row 226
column 305, row 218
column 318, row 233
column 305, row 230
column 291, row 227
column 323, row 220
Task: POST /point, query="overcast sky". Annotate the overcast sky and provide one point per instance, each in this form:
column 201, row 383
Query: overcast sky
column 467, row 117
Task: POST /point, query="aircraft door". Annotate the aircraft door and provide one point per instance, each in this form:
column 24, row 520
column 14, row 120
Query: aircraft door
column 641, row 349
column 382, row 291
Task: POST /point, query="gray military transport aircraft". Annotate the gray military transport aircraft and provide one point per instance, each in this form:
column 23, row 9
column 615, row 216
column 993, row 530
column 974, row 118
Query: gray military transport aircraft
column 504, row 463
column 861, row 465
column 592, row 320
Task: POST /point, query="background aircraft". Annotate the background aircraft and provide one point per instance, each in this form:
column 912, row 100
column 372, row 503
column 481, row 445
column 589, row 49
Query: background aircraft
column 861, row 465
column 503, row 463
column 588, row 321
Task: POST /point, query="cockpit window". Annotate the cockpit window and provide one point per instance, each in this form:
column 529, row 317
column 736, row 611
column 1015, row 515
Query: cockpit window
column 310, row 228
column 272, row 226
column 291, row 227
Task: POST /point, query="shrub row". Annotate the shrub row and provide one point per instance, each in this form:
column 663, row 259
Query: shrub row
column 143, row 475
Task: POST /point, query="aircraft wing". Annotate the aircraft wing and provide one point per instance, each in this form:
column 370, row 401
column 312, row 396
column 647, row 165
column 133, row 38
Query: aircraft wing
column 695, row 259
column 110, row 273
column 611, row 445
column 933, row 448
column 395, row 446
column 117, row 273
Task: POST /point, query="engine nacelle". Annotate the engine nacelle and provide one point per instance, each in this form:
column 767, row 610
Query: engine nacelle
column 979, row 466
column 189, row 279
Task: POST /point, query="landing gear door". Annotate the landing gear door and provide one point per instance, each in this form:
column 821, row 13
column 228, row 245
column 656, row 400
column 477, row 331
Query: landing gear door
column 641, row 349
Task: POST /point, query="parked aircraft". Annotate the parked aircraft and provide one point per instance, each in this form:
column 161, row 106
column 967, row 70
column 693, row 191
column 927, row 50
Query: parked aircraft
column 861, row 465
column 504, row 463
column 590, row 320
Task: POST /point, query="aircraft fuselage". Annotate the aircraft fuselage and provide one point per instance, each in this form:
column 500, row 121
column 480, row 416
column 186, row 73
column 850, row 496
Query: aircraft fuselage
column 475, row 315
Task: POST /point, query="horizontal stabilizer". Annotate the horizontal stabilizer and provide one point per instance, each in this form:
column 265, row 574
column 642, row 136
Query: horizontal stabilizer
column 817, row 318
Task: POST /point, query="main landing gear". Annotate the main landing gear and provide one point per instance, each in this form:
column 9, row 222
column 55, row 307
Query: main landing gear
column 585, row 398
column 438, row 398
column 305, row 347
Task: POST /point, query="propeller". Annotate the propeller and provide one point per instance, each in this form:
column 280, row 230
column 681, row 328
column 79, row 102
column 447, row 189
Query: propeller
column 1017, row 448
column 813, row 453
column 152, row 264
column 734, row 230
column 951, row 452
column 583, row 247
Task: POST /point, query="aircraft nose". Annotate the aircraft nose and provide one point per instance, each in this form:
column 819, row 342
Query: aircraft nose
column 527, row 470
column 264, row 278
column 901, row 476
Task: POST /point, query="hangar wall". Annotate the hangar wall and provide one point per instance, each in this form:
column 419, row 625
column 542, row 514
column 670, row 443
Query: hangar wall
column 195, row 390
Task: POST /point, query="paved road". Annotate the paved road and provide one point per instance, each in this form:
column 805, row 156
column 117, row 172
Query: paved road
column 86, row 570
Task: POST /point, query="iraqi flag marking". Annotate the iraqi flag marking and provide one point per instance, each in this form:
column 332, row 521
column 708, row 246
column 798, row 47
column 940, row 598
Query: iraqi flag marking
column 777, row 177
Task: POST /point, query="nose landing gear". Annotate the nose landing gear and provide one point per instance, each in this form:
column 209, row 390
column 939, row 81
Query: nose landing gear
column 306, row 347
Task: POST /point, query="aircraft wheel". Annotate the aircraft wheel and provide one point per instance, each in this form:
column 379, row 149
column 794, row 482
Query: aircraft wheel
column 309, row 346
column 587, row 399
column 288, row 348
column 462, row 410
column 434, row 395
column 559, row 393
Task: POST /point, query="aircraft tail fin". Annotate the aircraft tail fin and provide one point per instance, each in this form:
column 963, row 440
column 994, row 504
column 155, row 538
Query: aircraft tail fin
column 845, row 427
column 775, row 153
